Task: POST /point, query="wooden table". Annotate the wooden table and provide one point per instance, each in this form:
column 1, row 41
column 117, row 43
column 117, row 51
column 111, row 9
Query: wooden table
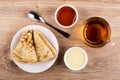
column 104, row 62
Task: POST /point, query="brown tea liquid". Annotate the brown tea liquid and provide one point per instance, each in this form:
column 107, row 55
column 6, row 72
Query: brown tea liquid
column 96, row 32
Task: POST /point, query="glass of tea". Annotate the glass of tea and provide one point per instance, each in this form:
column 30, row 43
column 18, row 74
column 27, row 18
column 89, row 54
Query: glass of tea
column 96, row 32
column 66, row 16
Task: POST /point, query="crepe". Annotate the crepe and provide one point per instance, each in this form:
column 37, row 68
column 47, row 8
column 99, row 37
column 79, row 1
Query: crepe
column 33, row 47
column 44, row 49
column 25, row 50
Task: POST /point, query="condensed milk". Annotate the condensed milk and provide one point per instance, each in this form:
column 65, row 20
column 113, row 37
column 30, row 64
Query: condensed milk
column 75, row 58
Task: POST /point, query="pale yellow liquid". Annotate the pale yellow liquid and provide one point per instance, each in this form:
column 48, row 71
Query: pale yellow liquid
column 75, row 58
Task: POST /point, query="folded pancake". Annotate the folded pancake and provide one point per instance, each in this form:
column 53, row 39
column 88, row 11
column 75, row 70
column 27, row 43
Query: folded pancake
column 44, row 49
column 25, row 50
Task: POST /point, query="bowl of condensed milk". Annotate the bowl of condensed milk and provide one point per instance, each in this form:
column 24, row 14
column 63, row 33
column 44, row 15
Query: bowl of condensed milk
column 75, row 58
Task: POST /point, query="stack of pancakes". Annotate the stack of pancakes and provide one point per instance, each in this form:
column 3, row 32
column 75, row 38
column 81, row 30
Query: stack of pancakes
column 33, row 47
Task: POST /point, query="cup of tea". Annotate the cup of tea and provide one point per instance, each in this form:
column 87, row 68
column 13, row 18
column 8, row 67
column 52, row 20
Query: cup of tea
column 66, row 16
column 96, row 32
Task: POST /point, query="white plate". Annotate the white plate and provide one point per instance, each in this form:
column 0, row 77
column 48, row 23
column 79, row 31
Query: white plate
column 40, row 66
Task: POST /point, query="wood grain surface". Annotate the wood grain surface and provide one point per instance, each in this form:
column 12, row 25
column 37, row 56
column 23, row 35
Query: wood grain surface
column 104, row 62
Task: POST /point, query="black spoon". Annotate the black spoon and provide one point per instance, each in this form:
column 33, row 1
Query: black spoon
column 34, row 16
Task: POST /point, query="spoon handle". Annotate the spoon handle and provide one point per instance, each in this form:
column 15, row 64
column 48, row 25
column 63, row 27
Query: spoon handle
column 65, row 34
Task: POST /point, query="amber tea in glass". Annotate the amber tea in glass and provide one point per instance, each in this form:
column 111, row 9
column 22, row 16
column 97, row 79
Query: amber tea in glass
column 96, row 32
